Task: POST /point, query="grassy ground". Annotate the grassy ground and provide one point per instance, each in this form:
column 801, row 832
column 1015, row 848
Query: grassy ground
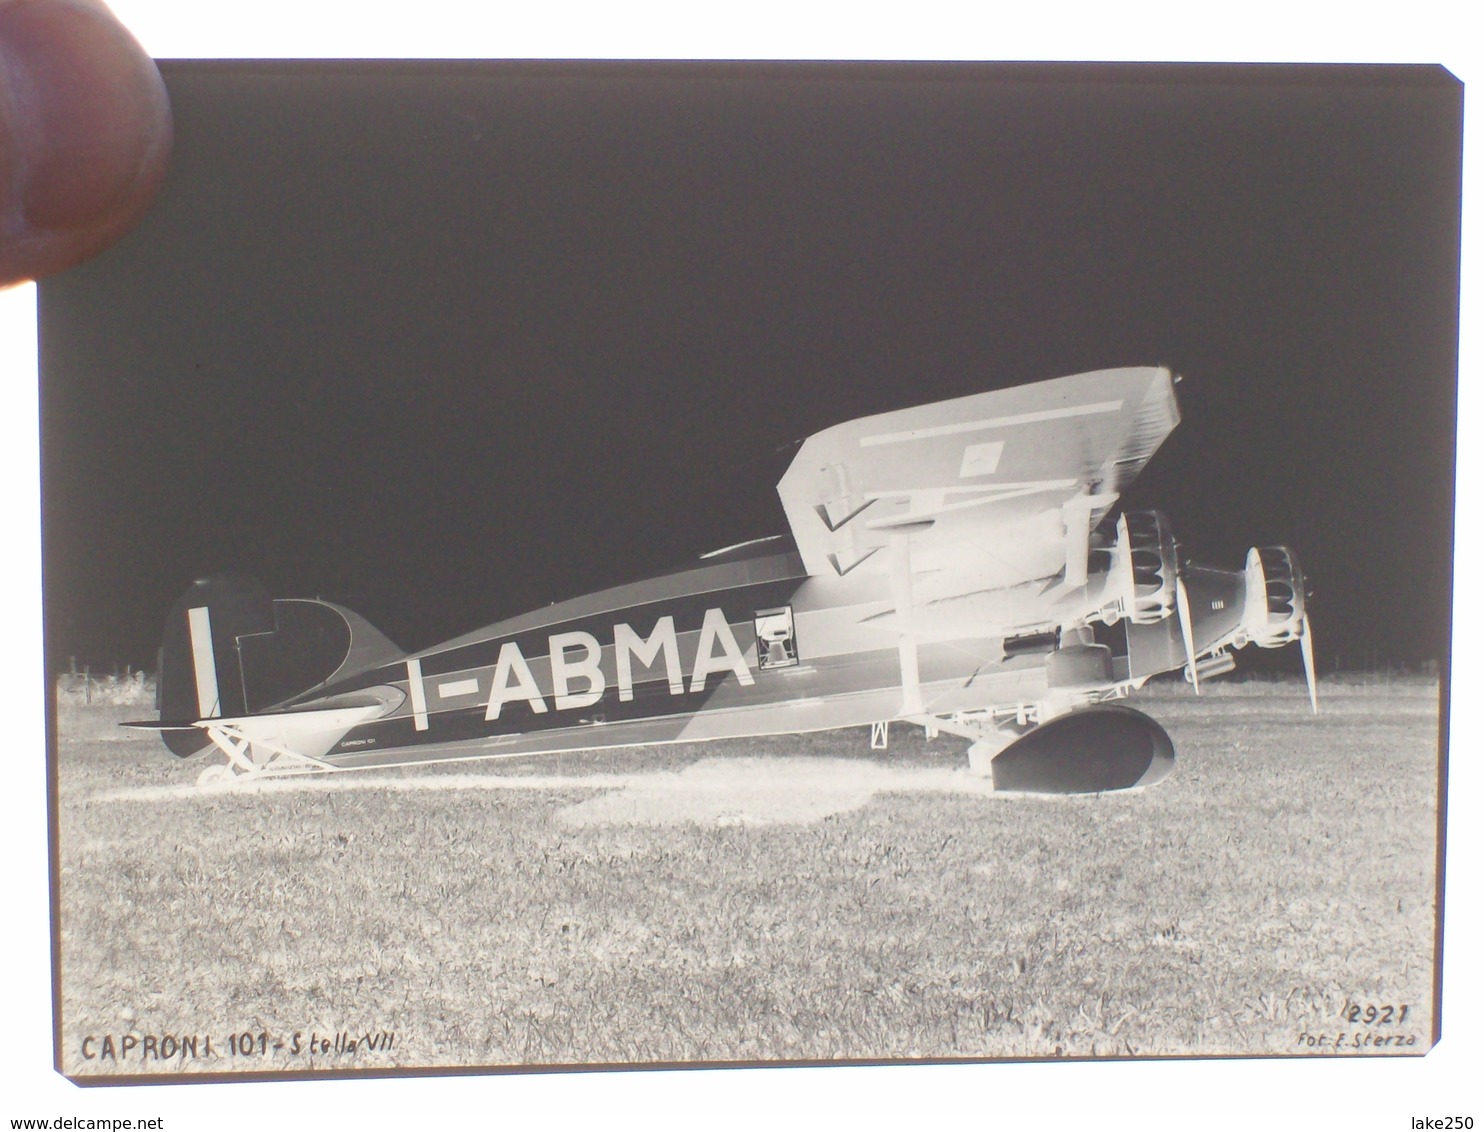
column 1283, row 872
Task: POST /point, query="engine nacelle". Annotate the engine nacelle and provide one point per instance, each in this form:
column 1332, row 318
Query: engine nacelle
column 1273, row 612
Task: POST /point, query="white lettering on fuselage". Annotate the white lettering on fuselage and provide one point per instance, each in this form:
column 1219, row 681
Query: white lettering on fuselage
column 502, row 692
column 576, row 656
column 628, row 646
column 715, row 631
column 562, row 670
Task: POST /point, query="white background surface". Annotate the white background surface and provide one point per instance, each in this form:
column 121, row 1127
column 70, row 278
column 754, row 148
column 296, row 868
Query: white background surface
column 1359, row 1094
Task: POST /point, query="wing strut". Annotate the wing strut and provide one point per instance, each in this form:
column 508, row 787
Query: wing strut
column 901, row 598
column 1077, row 515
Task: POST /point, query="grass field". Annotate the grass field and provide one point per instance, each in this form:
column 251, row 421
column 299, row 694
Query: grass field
column 787, row 899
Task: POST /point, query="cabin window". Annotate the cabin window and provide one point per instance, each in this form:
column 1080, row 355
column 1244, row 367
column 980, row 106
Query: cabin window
column 776, row 646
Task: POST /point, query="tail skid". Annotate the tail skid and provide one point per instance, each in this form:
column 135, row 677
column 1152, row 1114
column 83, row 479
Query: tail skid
column 249, row 759
column 286, row 743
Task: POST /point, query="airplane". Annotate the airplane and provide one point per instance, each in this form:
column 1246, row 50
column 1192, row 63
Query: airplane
column 961, row 566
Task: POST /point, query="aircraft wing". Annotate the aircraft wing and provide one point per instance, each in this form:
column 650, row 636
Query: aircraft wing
column 993, row 489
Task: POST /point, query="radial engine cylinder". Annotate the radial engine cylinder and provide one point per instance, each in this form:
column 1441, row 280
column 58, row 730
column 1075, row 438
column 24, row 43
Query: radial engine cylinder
column 1273, row 614
column 1148, row 560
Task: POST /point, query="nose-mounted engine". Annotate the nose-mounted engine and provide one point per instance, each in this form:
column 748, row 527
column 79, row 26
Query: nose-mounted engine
column 1273, row 614
column 1273, row 610
column 1213, row 611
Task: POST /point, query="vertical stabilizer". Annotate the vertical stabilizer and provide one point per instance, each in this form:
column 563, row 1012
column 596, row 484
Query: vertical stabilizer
column 230, row 651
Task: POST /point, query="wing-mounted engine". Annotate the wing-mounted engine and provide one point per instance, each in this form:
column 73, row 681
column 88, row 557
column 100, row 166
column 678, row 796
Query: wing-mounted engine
column 1152, row 586
column 1146, row 567
column 1137, row 582
column 1135, row 576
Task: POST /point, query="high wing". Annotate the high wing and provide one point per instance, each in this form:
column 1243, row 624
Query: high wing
column 993, row 490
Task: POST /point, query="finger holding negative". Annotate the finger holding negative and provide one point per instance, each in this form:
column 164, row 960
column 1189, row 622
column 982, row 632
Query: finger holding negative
column 85, row 134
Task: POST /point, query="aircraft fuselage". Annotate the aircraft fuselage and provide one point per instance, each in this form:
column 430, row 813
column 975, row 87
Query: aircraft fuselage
column 747, row 647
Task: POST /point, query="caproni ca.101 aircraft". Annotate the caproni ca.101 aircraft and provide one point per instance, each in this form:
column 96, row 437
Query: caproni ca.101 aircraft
column 961, row 566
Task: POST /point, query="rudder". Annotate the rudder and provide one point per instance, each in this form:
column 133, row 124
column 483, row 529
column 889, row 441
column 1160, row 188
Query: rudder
column 230, row 650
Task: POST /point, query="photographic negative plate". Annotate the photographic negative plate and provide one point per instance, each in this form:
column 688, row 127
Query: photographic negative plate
column 660, row 564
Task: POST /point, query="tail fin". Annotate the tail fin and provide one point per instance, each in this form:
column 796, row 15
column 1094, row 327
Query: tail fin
column 231, row 650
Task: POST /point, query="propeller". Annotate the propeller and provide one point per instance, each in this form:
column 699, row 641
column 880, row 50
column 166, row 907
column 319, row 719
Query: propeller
column 1306, row 643
column 1187, row 631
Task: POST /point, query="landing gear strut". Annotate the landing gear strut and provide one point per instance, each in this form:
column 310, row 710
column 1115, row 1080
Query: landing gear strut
column 251, row 759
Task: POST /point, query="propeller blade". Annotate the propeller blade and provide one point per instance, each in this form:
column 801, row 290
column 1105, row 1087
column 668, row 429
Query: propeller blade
column 1306, row 643
column 1187, row 631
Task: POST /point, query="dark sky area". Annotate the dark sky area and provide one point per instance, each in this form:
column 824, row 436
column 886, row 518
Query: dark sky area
column 445, row 342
